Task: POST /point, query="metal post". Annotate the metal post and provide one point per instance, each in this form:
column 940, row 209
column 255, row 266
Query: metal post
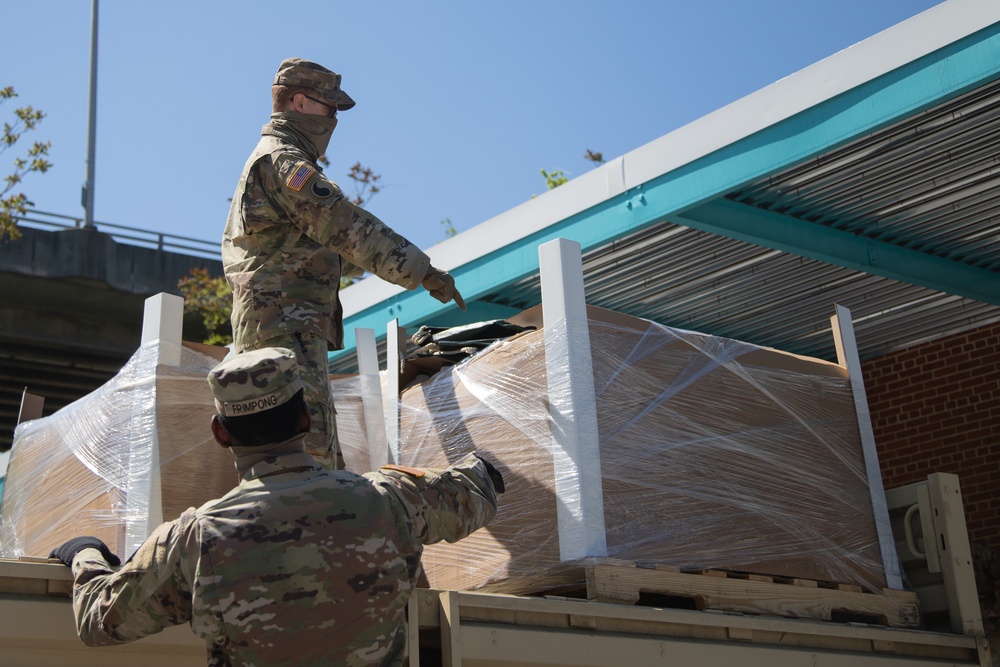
column 88, row 186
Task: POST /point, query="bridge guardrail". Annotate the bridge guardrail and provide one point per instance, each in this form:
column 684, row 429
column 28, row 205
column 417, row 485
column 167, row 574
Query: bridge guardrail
column 131, row 235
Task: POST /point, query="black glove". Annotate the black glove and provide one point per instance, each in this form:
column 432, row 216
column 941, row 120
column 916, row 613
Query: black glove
column 494, row 474
column 68, row 550
column 442, row 286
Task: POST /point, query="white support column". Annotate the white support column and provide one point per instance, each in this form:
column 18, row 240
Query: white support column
column 163, row 321
column 395, row 348
column 371, row 397
column 847, row 356
column 572, row 404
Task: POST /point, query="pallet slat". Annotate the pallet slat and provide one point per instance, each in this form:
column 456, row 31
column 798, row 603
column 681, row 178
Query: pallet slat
column 791, row 598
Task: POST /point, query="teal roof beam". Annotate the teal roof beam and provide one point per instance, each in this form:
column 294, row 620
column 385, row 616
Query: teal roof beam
column 797, row 237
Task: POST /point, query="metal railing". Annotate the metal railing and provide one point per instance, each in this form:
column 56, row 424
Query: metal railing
column 130, row 235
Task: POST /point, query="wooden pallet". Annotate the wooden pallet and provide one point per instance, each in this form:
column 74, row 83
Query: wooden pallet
column 625, row 581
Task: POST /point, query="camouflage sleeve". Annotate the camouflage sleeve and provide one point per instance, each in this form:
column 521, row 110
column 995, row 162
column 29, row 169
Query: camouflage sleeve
column 442, row 504
column 318, row 207
column 147, row 594
column 348, row 270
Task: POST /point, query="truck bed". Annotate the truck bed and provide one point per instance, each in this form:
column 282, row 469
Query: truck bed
column 462, row 628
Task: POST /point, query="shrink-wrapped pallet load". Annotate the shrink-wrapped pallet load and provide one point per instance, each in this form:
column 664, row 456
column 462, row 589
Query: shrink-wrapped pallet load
column 713, row 453
column 708, row 453
column 117, row 462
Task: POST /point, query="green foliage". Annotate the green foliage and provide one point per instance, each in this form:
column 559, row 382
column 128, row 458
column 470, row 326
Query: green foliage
column 557, row 177
column 554, row 179
column 449, row 229
column 13, row 205
column 210, row 298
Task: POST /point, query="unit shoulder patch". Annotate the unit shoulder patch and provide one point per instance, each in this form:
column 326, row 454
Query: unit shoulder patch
column 322, row 188
column 298, row 178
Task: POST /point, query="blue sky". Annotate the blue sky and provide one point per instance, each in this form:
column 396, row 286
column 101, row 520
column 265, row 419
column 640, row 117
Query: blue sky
column 460, row 104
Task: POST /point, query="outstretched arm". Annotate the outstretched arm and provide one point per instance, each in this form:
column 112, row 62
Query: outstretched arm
column 444, row 504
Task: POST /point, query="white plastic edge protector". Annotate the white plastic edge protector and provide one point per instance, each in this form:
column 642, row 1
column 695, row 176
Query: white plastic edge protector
column 393, row 358
column 847, row 356
column 371, row 397
column 162, row 326
column 163, row 322
column 576, row 454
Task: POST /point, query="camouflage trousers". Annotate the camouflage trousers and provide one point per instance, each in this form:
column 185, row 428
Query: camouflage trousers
column 311, row 355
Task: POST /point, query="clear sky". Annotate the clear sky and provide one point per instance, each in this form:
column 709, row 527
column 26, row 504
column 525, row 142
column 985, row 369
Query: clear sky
column 460, row 104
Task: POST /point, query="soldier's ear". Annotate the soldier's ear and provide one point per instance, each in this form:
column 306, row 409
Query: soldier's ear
column 305, row 421
column 221, row 434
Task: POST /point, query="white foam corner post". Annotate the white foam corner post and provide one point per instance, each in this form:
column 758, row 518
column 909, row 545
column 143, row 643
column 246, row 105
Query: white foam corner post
column 371, row 397
column 162, row 325
column 395, row 348
column 572, row 405
column 31, row 407
column 847, row 357
column 163, row 321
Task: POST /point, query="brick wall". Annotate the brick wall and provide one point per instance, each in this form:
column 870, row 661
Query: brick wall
column 936, row 408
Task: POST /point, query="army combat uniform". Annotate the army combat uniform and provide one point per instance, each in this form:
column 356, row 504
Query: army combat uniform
column 298, row 565
column 290, row 237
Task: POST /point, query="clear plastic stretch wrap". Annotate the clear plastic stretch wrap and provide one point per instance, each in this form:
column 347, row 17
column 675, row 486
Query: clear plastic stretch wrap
column 116, row 463
column 712, row 454
column 685, row 449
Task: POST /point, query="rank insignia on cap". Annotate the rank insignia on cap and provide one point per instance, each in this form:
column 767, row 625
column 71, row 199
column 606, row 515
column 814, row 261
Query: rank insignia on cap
column 300, row 176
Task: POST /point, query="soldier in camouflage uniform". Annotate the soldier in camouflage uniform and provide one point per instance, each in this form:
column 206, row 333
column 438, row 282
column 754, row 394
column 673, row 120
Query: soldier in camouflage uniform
column 298, row 565
column 291, row 235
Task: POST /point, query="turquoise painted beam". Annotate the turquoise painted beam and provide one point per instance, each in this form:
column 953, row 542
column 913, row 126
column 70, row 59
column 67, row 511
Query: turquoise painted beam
column 910, row 89
column 780, row 232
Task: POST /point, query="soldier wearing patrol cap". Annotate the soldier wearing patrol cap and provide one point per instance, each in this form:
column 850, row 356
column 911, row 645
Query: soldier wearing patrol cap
column 292, row 234
column 298, row 564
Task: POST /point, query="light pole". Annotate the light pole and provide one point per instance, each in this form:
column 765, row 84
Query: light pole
column 88, row 186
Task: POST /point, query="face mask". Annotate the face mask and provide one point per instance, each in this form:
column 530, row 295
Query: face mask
column 317, row 129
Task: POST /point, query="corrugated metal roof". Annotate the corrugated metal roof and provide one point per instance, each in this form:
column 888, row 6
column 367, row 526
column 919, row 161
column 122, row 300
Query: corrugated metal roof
column 930, row 183
column 698, row 281
column 915, row 197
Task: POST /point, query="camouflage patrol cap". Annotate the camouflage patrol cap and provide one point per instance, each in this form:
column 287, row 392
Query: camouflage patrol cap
column 254, row 381
column 299, row 72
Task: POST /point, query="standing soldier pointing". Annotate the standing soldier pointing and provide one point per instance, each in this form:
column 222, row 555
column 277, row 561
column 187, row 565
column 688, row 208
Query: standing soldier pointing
column 292, row 234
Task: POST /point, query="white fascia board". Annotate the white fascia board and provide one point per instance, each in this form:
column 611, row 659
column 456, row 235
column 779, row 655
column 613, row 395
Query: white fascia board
column 890, row 49
column 880, row 54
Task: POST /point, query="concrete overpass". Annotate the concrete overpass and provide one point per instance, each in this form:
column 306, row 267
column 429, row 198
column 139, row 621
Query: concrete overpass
column 72, row 304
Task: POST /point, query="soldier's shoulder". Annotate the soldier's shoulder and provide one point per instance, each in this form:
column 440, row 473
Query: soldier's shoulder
column 279, row 150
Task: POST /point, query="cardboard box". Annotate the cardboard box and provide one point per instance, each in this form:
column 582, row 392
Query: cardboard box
column 119, row 461
column 713, row 454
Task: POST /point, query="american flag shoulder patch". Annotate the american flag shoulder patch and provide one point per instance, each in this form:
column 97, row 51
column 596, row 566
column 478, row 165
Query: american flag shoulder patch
column 300, row 176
